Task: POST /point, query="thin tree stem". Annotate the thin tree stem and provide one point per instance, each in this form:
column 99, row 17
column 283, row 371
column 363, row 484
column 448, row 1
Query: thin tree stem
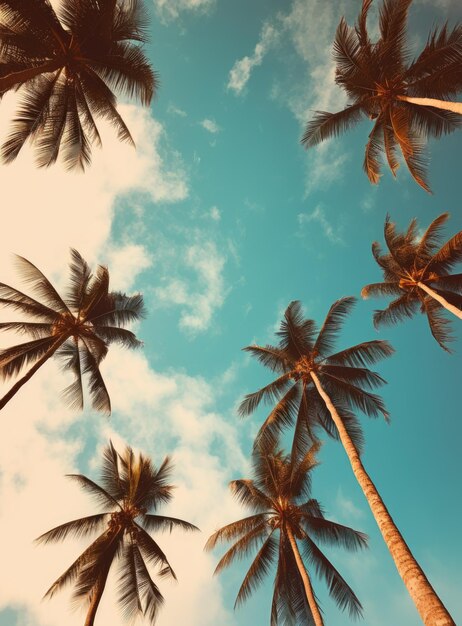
column 306, row 581
column 436, row 296
column 11, row 80
column 455, row 107
column 428, row 604
column 22, row 381
column 95, row 600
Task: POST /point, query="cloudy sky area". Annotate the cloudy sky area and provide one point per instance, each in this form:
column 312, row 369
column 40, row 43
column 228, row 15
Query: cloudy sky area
column 221, row 219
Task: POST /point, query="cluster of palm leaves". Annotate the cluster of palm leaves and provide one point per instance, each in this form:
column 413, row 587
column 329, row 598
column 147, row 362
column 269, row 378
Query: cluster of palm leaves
column 66, row 66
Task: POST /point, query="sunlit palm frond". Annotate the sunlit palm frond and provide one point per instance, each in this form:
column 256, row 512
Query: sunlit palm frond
column 325, row 125
column 78, row 528
column 330, row 329
column 258, row 570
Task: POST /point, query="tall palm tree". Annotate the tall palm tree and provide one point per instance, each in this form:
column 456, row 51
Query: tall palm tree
column 78, row 328
column 284, row 517
column 406, row 100
column 317, row 387
column 131, row 486
column 67, row 67
column 417, row 270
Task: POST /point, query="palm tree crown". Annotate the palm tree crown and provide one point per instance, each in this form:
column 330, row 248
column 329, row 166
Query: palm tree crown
column 282, row 510
column 67, row 66
column 131, row 486
column 303, row 352
column 414, row 266
column 381, row 82
column 77, row 328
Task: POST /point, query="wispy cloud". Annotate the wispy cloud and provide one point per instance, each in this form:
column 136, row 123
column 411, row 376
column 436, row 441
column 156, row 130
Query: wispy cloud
column 242, row 69
column 202, row 292
column 174, row 110
column 318, row 216
column 210, row 126
column 171, row 9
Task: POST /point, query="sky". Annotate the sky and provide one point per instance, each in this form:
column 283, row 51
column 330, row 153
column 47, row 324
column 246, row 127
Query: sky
column 220, row 218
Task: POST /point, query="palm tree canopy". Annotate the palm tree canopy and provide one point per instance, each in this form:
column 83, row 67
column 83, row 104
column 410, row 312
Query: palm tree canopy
column 130, row 492
column 411, row 260
column 279, row 500
column 303, row 349
column 80, row 326
column 67, row 66
column 375, row 75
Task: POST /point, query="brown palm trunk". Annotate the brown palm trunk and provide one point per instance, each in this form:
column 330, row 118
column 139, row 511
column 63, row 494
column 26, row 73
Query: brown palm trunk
column 306, row 581
column 455, row 107
column 436, row 296
column 95, row 600
column 11, row 80
column 22, row 381
column 431, row 609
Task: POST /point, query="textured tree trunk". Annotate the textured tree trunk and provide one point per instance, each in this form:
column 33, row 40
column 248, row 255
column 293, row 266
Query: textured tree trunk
column 455, row 107
column 11, row 80
column 95, row 600
column 431, row 609
column 22, row 381
column 436, row 296
column 306, row 581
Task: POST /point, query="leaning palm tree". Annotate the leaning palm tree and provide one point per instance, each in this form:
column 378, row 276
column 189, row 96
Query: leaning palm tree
column 77, row 329
column 67, row 67
column 417, row 270
column 131, row 486
column 407, row 101
column 284, row 517
column 317, row 387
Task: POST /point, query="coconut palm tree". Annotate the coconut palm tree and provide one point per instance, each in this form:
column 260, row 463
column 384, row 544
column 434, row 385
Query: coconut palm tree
column 78, row 328
column 417, row 270
column 317, row 387
column 131, row 487
column 407, row 101
column 67, row 67
column 284, row 517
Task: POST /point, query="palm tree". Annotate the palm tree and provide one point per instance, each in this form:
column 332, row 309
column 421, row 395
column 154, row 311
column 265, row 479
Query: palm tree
column 78, row 328
column 418, row 271
column 284, row 517
column 66, row 67
column 131, row 486
column 407, row 101
column 318, row 388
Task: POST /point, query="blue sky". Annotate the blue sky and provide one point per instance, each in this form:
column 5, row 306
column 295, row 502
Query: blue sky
column 221, row 219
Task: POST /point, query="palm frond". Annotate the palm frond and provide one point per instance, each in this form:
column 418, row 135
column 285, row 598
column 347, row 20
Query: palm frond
column 15, row 358
column 165, row 523
column 339, row 590
column 334, row 534
column 374, row 147
column 351, row 395
column 12, row 298
column 258, row 570
column 234, row 530
column 396, row 311
column 78, row 528
column 325, row 125
column 102, row 497
column 254, row 538
column 363, row 354
column 325, row 342
column 281, row 417
column 40, row 285
column 269, row 393
column 439, row 324
column 152, row 552
column 270, row 356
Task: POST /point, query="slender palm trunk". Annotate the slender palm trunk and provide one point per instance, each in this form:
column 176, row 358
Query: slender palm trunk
column 22, row 381
column 95, row 600
column 306, row 581
column 431, row 609
column 455, row 107
column 436, row 296
column 15, row 78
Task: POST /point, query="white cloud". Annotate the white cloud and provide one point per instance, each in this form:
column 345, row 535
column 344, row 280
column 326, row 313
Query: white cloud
column 319, row 216
column 171, row 9
column 200, row 295
column 176, row 111
column 325, row 166
column 241, row 70
column 215, row 214
column 211, row 126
